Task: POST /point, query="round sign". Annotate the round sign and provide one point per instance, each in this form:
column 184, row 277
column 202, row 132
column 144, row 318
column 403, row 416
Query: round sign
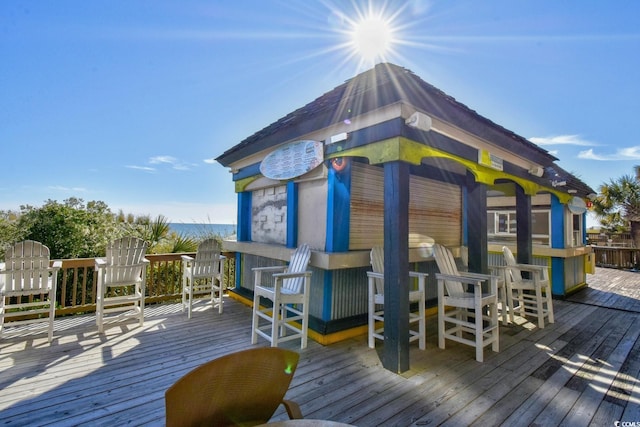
column 577, row 206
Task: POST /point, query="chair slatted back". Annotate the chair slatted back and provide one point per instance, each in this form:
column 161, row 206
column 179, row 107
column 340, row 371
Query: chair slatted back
column 298, row 263
column 376, row 258
column 125, row 260
column 514, row 273
column 207, row 261
column 242, row 388
column 447, row 265
column 26, row 268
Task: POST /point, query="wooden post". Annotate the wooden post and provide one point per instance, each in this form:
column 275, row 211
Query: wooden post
column 524, row 222
column 477, row 225
column 396, row 267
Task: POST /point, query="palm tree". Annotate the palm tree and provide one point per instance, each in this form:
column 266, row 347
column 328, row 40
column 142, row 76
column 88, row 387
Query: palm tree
column 618, row 205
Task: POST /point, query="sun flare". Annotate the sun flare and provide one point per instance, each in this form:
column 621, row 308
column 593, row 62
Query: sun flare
column 372, row 38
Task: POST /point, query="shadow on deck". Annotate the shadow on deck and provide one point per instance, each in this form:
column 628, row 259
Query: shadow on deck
column 582, row 370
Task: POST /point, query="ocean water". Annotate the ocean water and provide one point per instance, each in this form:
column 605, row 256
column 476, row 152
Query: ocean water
column 200, row 230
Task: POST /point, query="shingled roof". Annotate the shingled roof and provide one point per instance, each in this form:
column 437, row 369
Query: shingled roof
column 386, row 84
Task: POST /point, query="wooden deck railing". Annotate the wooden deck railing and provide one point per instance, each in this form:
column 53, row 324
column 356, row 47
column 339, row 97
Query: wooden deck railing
column 77, row 281
column 617, row 257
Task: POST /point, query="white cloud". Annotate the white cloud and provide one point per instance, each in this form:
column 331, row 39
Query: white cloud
column 72, row 189
column 142, row 168
column 175, row 163
column 162, row 159
column 209, row 161
column 630, row 153
column 562, row 140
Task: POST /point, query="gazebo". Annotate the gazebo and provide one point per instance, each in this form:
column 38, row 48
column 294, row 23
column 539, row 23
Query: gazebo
column 388, row 159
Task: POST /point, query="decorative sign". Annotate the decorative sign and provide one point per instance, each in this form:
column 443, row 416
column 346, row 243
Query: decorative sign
column 485, row 158
column 577, row 206
column 292, row 160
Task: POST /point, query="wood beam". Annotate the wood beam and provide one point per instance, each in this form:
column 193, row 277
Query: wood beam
column 396, row 267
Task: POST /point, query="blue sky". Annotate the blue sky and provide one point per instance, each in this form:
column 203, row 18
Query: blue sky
column 128, row 102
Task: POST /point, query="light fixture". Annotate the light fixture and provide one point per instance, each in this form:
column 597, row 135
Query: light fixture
column 572, row 191
column 420, row 121
column 557, row 183
column 536, row 171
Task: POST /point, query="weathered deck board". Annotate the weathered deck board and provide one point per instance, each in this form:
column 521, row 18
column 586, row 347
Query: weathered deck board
column 582, row 370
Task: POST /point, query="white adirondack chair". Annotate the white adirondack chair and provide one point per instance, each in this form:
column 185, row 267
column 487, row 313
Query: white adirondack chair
column 376, row 298
column 289, row 295
column 203, row 275
column 122, row 277
column 533, row 294
column 26, row 273
column 454, row 324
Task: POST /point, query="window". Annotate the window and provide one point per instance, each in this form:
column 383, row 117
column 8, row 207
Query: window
column 502, row 226
column 576, row 230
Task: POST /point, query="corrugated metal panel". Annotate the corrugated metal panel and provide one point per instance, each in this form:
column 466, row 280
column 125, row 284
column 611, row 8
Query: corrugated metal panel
column 349, row 297
column 434, row 209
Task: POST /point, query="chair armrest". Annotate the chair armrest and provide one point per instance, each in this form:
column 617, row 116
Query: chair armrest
column 223, row 258
column 272, row 268
column 374, row 275
column 57, row 265
column 100, row 263
column 291, row 275
column 145, row 261
column 187, row 258
column 293, row 410
column 418, row 274
column 529, row 267
column 463, row 278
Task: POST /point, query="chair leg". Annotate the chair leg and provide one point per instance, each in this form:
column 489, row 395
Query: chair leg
column 220, row 290
column 478, row 332
column 2, row 298
column 305, row 325
column 190, row 300
column 441, row 325
column 510, row 302
column 254, row 321
column 495, row 333
column 550, row 305
column 184, row 292
column 52, row 314
column 372, row 309
column 141, row 287
column 275, row 323
column 540, row 307
column 99, row 306
column 422, row 329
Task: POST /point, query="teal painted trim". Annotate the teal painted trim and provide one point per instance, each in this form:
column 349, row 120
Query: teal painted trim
column 557, row 223
column 238, row 270
column 557, row 276
column 338, row 209
column 244, row 216
column 465, row 215
column 292, row 214
column 327, row 295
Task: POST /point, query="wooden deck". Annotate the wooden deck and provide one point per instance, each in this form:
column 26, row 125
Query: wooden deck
column 582, row 370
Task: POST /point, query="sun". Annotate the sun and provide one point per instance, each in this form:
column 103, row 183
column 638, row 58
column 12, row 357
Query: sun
column 372, row 38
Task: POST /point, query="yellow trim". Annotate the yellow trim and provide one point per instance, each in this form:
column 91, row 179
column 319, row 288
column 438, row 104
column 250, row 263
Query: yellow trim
column 241, row 184
column 409, row 151
column 575, row 288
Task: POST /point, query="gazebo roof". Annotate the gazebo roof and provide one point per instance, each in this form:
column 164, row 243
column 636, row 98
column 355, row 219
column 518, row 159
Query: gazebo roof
column 383, row 85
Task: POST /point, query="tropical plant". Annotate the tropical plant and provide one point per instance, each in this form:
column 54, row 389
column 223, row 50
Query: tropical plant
column 618, row 205
column 70, row 229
